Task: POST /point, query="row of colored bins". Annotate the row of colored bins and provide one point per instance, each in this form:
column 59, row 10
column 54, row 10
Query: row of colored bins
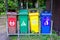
column 31, row 21
column 23, row 20
column 33, row 18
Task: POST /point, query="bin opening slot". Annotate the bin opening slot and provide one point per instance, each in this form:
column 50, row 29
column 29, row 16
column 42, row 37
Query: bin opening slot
column 33, row 11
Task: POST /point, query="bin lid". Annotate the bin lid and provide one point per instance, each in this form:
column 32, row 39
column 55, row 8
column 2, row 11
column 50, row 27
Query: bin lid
column 33, row 12
column 11, row 13
column 49, row 13
column 23, row 12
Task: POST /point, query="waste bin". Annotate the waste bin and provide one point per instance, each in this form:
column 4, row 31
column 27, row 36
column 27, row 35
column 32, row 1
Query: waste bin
column 23, row 20
column 12, row 22
column 34, row 20
column 46, row 22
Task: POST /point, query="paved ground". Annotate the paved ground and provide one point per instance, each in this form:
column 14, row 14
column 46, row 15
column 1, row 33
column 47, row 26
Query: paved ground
column 3, row 34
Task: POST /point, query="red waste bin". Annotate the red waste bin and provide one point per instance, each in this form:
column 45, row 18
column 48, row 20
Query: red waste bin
column 12, row 22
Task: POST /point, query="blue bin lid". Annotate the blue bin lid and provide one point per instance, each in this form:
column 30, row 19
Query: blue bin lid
column 23, row 12
column 48, row 13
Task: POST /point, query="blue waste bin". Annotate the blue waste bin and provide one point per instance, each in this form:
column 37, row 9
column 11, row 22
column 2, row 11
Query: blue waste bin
column 46, row 22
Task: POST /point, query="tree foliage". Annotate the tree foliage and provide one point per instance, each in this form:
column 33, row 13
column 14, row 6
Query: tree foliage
column 42, row 3
column 12, row 4
column 2, row 6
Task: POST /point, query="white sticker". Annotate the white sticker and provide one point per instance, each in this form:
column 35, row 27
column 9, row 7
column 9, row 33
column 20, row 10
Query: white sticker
column 12, row 23
column 23, row 24
column 34, row 22
column 46, row 22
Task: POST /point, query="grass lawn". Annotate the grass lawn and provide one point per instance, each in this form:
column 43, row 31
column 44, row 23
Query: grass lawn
column 37, row 37
column 31, row 37
column 44, row 37
column 13, row 37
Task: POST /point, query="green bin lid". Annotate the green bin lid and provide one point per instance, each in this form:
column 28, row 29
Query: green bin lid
column 23, row 12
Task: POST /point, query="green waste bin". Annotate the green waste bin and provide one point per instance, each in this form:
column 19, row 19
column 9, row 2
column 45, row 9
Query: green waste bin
column 23, row 21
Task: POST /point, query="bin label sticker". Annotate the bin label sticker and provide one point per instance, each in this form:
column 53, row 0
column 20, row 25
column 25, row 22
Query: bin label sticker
column 46, row 21
column 11, row 23
column 34, row 21
column 23, row 24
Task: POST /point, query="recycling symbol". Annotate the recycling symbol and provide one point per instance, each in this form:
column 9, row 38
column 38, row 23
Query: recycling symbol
column 23, row 24
column 46, row 22
column 34, row 21
column 11, row 23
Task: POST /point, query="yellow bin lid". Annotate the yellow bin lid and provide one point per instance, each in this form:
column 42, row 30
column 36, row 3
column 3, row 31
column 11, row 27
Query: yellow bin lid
column 33, row 12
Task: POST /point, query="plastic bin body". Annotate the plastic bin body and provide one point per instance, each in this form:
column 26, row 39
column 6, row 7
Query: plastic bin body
column 12, row 22
column 34, row 21
column 46, row 22
column 23, row 20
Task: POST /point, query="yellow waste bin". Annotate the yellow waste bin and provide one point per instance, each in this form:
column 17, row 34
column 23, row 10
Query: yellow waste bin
column 34, row 20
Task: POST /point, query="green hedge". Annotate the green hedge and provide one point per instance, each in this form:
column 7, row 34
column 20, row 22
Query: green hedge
column 12, row 4
column 2, row 6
